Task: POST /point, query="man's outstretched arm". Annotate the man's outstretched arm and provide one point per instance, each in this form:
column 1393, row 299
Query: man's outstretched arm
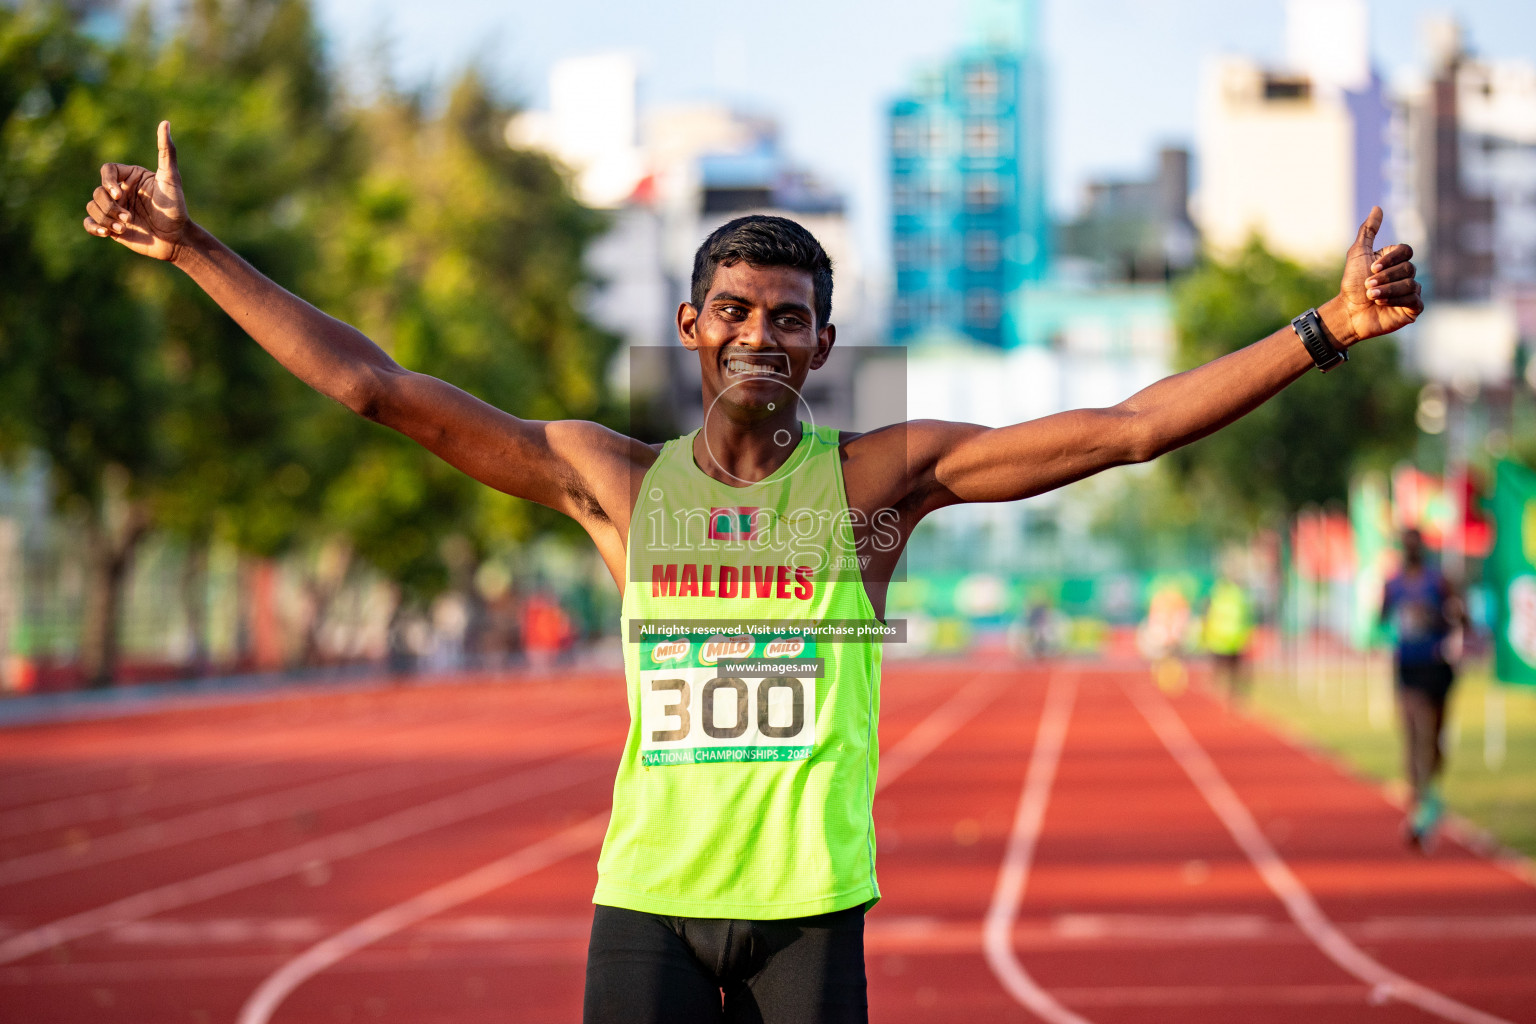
column 962, row 462
column 146, row 212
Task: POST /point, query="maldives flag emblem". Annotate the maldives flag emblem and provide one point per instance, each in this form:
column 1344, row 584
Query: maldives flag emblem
column 737, row 523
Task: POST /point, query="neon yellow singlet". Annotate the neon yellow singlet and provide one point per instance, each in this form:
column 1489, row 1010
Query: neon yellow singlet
column 745, row 790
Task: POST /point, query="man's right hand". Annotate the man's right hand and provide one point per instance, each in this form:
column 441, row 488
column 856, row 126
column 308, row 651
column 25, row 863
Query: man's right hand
column 143, row 209
column 581, row 469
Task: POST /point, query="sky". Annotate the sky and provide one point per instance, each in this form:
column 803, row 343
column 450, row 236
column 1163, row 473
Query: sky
column 1122, row 74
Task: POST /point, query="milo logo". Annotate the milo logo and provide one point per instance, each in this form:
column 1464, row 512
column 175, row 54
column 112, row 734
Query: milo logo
column 791, row 648
column 672, row 650
column 717, row 647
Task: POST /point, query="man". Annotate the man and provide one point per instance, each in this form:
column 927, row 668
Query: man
column 740, row 855
column 1427, row 619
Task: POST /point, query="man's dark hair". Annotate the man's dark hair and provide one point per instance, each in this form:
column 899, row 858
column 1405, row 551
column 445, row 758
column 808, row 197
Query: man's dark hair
column 763, row 241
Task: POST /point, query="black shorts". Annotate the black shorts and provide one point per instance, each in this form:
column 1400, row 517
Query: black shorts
column 681, row 970
column 1433, row 679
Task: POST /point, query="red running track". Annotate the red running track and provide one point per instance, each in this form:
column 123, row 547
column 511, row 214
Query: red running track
column 1059, row 843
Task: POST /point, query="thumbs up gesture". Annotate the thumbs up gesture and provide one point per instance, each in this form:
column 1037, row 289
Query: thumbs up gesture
column 144, row 210
column 1379, row 293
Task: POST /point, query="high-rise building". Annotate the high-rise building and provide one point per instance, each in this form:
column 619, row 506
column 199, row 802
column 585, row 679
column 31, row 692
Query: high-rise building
column 1295, row 155
column 1464, row 159
column 1466, row 163
column 669, row 176
column 968, row 198
column 1132, row 229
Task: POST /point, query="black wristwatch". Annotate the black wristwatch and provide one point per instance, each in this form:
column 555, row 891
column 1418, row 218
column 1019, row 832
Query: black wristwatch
column 1309, row 328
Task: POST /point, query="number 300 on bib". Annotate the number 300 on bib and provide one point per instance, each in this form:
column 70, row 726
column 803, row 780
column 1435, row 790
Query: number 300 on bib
column 691, row 715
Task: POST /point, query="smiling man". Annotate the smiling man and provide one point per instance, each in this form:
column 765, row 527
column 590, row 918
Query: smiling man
column 753, row 556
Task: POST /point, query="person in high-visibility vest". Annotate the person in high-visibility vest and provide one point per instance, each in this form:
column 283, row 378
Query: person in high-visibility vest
column 1227, row 631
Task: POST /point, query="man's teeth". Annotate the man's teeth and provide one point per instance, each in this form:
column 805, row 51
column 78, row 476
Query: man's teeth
column 755, row 369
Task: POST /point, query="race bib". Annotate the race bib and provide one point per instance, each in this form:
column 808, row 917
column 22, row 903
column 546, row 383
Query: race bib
column 728, row 698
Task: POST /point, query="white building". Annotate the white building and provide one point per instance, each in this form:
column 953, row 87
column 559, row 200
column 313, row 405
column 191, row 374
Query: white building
column 1080, row 348
column 590, row 126
column 671, row 175
column 1295, row 154
column 1496, row 108
column 1464, row 172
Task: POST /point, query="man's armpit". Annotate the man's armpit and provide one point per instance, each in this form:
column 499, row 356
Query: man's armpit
column 583, row 504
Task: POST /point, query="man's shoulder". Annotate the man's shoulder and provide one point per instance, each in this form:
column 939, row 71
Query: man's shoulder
column 888, row 466
column 605, row 467
column 589, row 438
column 906, row 435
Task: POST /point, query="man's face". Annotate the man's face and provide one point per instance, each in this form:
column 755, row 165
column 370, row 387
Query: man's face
column 756, row 337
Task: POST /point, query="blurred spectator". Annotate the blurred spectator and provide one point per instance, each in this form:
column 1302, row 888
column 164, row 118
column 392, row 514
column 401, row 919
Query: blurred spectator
column 1163, row 633
column 546, row 630
column 450, row 628
column 1166, row 626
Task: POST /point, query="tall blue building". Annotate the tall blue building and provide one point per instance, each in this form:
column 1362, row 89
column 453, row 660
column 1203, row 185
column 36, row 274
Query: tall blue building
column 968, row 200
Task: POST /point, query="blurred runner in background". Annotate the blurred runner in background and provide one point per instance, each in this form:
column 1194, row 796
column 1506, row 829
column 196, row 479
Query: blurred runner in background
column 1228, row 630
column 1040, row 632
column 1428, row 619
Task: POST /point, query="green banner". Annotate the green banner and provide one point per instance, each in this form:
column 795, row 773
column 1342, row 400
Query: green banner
column 1370, row 521
column 1511, row 570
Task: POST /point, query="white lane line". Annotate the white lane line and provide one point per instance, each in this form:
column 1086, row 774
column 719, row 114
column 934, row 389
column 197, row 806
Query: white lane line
column 1195, row 929
column 997, row 934
column 270, row 993
column 248, row 738
column 258, row 1009
column 204, row 824
column 124, row 801
column 23, row 788
column 366, row 784
column 912, row 933
column 940, row 724
column 172, row 783
column 1202, row 771
column 380, row 832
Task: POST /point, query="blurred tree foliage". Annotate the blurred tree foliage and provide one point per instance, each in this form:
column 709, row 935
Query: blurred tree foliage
column 153, row 409
column 460, row 257
column 1303, row 445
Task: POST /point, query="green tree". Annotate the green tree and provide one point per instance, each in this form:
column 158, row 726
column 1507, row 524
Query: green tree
column 149, row 408
column 79, row 380
column 245, row 83
column 462, row 258
column 1303, row 445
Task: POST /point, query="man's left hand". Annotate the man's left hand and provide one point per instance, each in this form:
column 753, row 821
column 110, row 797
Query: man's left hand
column 1379, row 293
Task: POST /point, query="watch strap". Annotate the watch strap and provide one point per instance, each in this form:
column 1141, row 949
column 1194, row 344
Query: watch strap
column 1309, row 328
